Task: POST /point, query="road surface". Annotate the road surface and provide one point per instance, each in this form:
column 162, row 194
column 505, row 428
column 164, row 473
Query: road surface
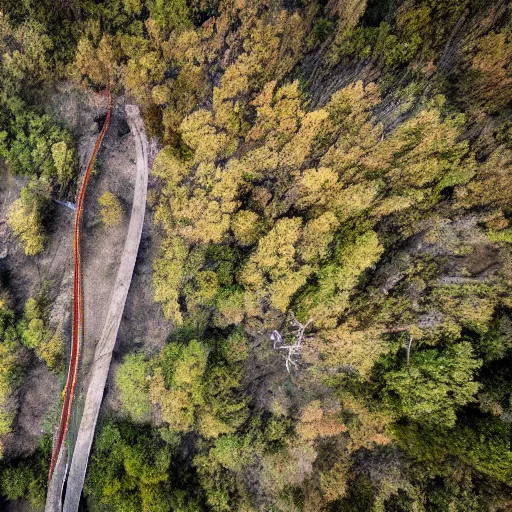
column 105, row 346
column 59, row 454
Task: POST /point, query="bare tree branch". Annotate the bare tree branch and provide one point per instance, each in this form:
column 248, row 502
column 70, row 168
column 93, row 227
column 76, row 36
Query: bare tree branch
column 408, row 350
column 294, row 349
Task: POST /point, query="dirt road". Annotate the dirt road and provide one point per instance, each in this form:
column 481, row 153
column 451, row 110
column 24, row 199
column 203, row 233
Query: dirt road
column 105, row 346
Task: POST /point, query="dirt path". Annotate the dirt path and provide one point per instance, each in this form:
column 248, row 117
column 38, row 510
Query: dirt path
column 105, row 346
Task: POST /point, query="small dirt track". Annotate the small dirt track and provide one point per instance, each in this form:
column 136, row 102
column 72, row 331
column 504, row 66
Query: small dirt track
column 105, row 346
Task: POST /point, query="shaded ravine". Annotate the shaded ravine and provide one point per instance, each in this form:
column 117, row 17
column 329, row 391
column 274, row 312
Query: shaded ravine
column 103, row 354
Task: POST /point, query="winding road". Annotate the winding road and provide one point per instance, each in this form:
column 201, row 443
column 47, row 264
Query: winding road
column 78, row 305
column 105, row 346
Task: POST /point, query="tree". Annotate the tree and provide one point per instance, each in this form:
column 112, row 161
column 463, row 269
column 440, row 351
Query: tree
column 353, row 131
column 25, row 219
column 246, row 226
column 348, row 15
column 98, row 64
column 26, row 57
column 34, row 145
column 37, row 334
column 278, row 114
column 132, row 381
column 199, row 133
column 351, row 348
column 316, row 238
column 288, row 467
column 295, row 152
column 435, row 386
column 230, row 306
column 169, row 276
column 52, row 352
column 489, row 78
column 169, row 16
column 10, row 369
column 337, row 278
column 132, row 6
column 424, row 152
column 315, row 423
column 129, row 470
column 64, row 158
column 225, row 406
column 112, row 210
column 14, row 482
column 492, row 183
column 272, row 269
column 177, row 384
column 24, row 477
column 200, row 209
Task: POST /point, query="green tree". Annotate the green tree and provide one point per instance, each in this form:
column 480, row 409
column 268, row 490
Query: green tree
column 225, row 407
column 98, row 63
column 132, row 382
column 169, row 276
column 10, row 369
column 38, row 334
column 25, row 478
column 34, row 145
column 129, row 470
column 336, row 279
column 169, row 16
column 177, row 385
column 435, row 385
column 112, row 210
column 25, row 219
column 246, row 226
column 272, row 269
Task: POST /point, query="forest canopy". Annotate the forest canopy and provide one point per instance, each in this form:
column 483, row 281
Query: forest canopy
column 331, row 195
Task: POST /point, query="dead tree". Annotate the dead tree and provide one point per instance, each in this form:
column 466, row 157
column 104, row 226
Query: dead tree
column 408, row 350
column 294, row 348
column 408, row 343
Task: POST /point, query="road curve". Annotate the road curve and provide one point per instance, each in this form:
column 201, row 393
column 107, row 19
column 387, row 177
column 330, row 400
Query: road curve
column 105, row 346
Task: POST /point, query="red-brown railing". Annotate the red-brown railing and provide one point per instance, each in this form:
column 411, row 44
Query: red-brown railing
column 78, row 305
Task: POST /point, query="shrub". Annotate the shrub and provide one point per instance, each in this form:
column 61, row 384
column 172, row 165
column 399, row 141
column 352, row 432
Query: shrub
column 25, row 478
column 37, row 334
column 129, row 470
column 133, row 385
column 435, row 386
column 25, row 219
column 112, row 210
